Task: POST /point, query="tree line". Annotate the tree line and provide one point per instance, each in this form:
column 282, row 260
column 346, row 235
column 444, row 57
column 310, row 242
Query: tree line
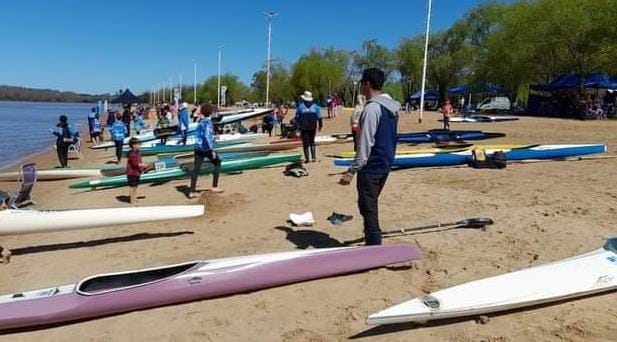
column 511, row 45
column 10, row 93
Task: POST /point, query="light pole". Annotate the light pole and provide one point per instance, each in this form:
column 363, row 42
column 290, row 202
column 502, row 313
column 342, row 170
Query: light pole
column 428, row 25
column 218, row 88
column 270, row 16
column 194, row 82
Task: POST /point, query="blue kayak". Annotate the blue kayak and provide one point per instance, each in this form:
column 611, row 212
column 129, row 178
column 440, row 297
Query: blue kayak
column 555, row 151
column 440, row 135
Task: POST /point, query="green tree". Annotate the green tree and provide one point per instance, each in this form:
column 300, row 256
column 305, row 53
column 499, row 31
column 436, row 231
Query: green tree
column 236, row 90
column 410, row 59
column 321, row 72
column 449, row 58
column 280, row 90
column 374, row 55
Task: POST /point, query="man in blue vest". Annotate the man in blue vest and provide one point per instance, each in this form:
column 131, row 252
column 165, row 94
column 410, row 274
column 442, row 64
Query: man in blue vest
column 376, row 149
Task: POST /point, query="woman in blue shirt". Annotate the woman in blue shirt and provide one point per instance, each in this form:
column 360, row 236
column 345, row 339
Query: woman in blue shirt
column 204, row 148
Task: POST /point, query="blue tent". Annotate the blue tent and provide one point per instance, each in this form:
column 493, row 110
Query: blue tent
column 429, row 95
column 495, row 89
column 573, row 81
column 459, row 90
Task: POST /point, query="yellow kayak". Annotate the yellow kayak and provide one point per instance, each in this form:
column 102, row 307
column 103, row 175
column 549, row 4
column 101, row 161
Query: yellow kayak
column 351, row 154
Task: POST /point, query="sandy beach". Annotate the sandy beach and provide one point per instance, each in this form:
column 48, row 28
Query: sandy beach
column 543, row 212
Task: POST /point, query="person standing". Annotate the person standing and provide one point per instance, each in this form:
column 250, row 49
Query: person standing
column 355, row 119
column 91, row 116
column 118, row 132
column 183, row 122
column 65, row 136
column 204, row 148
column 376, row 150
column 138, row 122
column 134, row 169
column 127, row 117
column 447, row 113
column 97, row 130
column 309, row 120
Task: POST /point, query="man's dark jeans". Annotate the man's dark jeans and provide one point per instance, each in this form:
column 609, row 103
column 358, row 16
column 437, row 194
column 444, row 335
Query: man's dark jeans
column 369, row 187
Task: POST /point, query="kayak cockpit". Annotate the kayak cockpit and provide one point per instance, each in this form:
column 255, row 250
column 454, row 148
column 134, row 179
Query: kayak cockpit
column 118, row 281
column 611, row 245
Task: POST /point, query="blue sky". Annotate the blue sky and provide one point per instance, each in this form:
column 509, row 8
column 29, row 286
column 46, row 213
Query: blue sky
column 101, row 46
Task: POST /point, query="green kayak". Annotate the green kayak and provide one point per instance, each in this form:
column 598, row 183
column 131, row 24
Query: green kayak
column 173, row 149
column 179, row 172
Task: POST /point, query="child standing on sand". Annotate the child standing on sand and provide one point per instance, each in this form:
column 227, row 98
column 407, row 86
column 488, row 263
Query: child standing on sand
column 134, row 169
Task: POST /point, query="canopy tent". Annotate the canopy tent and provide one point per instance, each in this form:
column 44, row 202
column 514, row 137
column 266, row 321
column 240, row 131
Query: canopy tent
column 573, row 81
column 488, row 88
column 429, row 95
column 127, row 98
column 495, row 89
column 459, row 90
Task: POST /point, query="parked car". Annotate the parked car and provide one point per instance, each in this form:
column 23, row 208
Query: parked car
column 495, row 104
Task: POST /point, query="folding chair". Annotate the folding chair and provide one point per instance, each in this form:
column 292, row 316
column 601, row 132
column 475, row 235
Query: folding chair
column 27, row 177
column 75, row 148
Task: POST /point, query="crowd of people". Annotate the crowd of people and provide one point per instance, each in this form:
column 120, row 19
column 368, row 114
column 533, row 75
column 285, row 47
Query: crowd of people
column 373, row 126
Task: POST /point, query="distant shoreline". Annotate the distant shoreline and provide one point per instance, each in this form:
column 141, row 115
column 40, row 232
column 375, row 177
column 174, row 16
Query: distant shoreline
column 23, row 94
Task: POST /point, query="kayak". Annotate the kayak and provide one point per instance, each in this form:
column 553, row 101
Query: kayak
column 224, row 155
column 244, row 115
column 556, row 151
column 582, row 275
column 439, row 135
column 319, row 140
column 227, row 166
column 54, row 174
column 117, row 170
column 147, row 136
column 351, row 154
column 239, row 138
column 20, row 221
column 114, row 293
column 279, row 145
column 154, row 150
column 482, row 118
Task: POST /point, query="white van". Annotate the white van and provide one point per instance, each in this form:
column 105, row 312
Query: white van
column 495, row 103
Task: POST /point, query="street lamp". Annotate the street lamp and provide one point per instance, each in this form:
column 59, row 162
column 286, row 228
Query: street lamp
column 270, row 16
column 218, row 88
column 428, row 25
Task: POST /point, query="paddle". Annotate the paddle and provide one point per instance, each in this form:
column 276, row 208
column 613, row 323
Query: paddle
column 473, row 223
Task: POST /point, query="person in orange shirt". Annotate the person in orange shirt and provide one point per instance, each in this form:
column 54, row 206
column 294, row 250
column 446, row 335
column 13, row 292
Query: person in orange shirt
column 447, row 112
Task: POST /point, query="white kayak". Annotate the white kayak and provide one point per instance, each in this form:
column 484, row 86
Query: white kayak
column 483, row 118
column 191, row 139
column 244, row 115
column 54, row 174
column 144, row 137
column 18, row 221
column 578, row 276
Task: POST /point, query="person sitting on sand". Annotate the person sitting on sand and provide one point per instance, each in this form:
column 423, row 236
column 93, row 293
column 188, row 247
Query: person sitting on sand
column 5, row 253
column 134, row 169
column 118, row 132
column 204, row 148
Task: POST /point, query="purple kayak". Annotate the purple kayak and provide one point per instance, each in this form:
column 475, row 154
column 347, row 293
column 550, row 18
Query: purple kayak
column 113, row 293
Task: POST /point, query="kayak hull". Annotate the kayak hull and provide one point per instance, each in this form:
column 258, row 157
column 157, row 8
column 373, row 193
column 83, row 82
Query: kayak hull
column 54, row 174
column 127, row 291
column 578, row 276
column 227, row 166
column 555, row 151
column 17, row 221
column 438, row 135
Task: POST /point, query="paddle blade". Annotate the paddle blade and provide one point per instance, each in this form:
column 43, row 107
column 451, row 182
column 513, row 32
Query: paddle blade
column 479, row 222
